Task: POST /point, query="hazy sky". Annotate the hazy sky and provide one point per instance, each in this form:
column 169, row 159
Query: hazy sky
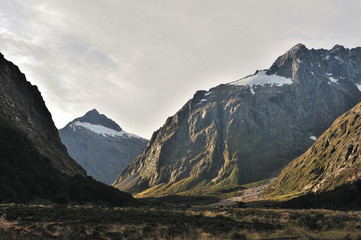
column 139, row 61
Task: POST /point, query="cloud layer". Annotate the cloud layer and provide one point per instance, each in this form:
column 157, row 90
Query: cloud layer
column 138, row 62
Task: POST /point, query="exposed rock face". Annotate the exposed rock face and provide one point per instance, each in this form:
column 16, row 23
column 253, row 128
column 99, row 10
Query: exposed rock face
column 22, row 106
column 332, row 161
column 246, row 130
column 99, row 145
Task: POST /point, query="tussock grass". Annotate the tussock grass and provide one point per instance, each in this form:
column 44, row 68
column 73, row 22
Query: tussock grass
column 168, row 222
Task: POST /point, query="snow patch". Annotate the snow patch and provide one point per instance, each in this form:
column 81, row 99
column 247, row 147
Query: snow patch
column 359, row 87
column 202, row 100
column 333, row 80
column 103, row 131
column 261, row 78
column 206, row 94
column 313, row 138
column 252, row 91
column 329, row 74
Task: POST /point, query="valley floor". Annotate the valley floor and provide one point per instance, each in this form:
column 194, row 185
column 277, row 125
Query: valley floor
column 249, row 195
column 174, row 222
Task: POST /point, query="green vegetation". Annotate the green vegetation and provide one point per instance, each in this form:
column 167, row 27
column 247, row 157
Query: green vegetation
column 255, row 184
column 332, row 162
column 26, row 176
column 203, row 189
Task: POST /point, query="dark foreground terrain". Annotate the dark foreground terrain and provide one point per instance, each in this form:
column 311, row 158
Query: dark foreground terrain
column 174, row 222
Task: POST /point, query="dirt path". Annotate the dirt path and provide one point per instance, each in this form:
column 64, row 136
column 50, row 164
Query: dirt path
column 251, row 194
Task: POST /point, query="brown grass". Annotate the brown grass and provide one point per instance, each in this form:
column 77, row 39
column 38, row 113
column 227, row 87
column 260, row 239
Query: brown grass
column 227, row 222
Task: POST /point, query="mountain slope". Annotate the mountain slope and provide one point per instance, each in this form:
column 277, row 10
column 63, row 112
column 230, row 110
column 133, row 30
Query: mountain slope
column 333, row 160
column 34, row 164
column 100, row 146
column 246, row 130
column 22, row 104
column 26, row 175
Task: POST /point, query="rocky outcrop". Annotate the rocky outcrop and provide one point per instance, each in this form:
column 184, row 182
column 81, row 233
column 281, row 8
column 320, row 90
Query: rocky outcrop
column 249, row 129
column 22, row 106
column 99, row 145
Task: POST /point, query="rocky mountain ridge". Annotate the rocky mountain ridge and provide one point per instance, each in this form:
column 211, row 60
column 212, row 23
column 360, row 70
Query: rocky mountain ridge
column 34, row 164
column 23, row 107
column 248, row 129
column 95, row 118
column 100, row 145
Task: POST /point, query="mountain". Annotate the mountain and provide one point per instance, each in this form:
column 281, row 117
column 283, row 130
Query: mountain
column 34, row 164
column 100, row 146
column 333, row 160
column 249, row 129
column 22, row 105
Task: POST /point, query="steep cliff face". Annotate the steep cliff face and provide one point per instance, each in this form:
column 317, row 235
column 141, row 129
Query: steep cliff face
column 246, row 130
column 332, row 161
column 34, row 164
column 22, row 106
column 100, row 146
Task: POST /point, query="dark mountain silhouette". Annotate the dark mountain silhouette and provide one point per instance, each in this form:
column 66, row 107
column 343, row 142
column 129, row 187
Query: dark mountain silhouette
column 34, row 164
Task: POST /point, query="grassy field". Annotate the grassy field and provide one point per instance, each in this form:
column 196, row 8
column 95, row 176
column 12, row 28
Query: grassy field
column 206, row 190
column 174, row 221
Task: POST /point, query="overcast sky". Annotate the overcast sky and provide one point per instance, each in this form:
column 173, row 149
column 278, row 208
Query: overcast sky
column 139, row 61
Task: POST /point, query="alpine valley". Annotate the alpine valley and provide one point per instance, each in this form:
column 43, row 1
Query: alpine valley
column 100, row 146
column 249, row 129
column 297, row 122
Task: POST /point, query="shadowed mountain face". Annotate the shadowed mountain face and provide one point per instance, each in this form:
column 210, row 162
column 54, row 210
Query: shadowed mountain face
column 247, row 130
column 99, row 145
column 332, row 161
column 22, row 106
column 34, row 164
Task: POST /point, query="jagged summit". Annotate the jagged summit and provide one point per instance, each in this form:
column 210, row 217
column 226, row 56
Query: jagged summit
column 311, row 67
column 305, row 65
column 99, row 145
column 338, row 47
column 299, row 47
column 245, row 131
column 94, row 117
column 289, row 62
column 94, row 111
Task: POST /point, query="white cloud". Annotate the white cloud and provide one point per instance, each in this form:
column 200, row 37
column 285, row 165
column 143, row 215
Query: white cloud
column 140, row 61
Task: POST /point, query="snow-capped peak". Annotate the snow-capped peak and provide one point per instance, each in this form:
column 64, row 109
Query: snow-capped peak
column 101, row 130
column 261, row 78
